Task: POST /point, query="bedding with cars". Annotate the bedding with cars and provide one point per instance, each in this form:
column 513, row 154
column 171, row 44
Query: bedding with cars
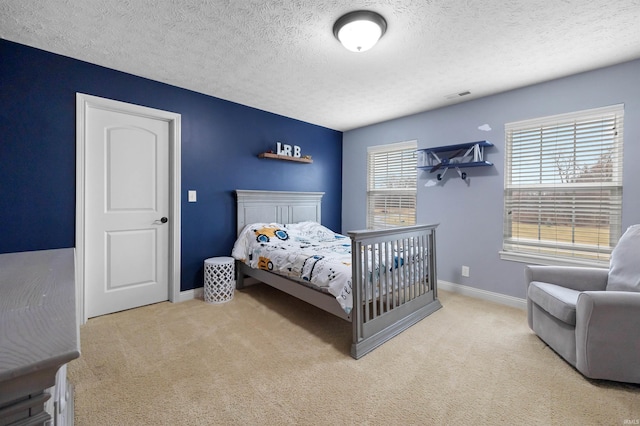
column 305, row 251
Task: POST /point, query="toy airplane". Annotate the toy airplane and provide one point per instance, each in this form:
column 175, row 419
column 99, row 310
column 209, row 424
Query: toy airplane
column 458, row 156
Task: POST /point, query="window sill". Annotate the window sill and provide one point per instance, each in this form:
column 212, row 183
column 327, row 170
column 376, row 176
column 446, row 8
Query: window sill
column 548, row 260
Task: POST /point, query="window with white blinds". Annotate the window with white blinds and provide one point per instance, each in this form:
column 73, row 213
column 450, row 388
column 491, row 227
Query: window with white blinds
column 391, row 185
column 563, row 185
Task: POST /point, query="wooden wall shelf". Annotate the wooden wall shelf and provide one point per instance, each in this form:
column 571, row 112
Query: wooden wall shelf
column 284, row 157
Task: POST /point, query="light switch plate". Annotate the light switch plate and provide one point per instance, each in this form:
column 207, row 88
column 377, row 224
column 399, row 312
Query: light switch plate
column 193, row 196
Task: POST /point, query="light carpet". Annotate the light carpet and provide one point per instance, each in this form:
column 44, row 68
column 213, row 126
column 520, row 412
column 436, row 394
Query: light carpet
column 265, row 358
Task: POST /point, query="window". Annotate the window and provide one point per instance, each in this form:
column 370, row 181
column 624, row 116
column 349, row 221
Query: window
column 563, row 187
column 391, row 185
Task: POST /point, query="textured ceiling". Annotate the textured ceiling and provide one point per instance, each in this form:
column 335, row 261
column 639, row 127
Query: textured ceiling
column 282, row 57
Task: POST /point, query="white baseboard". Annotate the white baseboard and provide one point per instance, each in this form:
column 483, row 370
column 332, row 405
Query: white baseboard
column 515, row 302
column 196, row 293
column 502, row 299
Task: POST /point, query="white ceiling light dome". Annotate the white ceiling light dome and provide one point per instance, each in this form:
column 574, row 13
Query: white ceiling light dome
column 359, row 31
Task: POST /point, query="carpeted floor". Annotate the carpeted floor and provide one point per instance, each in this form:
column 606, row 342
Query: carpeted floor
column 266, row 358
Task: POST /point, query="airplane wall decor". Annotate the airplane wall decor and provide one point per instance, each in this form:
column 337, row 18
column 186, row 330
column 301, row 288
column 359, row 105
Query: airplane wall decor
column 458, row 156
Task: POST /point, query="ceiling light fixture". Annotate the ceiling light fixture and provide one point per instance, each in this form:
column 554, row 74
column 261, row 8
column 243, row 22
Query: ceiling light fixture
column 360, row 30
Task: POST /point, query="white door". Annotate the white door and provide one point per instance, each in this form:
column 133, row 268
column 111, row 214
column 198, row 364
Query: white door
column 126, row 258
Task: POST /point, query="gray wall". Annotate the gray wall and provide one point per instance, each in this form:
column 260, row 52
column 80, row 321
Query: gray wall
column 470, row 214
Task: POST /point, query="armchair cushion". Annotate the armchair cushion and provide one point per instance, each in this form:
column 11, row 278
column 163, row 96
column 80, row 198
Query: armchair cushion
column 624, row 270
column 557, row 301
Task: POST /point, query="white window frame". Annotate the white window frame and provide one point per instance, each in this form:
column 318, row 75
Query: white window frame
column 571, row 213
column 392, row 177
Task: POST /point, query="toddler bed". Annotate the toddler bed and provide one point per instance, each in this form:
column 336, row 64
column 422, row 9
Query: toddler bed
column 382, row 281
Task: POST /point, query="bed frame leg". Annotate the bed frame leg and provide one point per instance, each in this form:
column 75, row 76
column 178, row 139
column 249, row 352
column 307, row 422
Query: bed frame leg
column 239, row 276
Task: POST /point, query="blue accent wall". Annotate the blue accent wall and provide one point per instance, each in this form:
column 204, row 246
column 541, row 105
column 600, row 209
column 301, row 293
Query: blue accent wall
column 220, row 144
column 470, row 213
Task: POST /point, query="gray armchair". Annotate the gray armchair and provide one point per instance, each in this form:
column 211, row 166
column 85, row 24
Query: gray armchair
column 591, row 316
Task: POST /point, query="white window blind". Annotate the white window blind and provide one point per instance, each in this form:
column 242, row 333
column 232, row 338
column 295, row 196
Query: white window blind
column 391, row 189
column 563, row 185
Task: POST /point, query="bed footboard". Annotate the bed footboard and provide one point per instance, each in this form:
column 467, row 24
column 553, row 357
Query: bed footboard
column 394, row 283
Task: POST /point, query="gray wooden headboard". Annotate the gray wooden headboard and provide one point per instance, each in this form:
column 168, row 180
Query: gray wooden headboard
column 277, row 206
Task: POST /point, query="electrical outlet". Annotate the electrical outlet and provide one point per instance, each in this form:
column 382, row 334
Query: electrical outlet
column 465, row 271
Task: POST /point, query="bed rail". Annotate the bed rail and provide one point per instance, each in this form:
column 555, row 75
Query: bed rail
column 394, row 283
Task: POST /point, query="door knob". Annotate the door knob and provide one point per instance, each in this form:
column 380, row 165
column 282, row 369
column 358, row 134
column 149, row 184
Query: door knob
column 164, row 220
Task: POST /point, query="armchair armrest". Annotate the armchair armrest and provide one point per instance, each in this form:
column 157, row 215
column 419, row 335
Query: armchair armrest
column 573, row 277
column 608, row 335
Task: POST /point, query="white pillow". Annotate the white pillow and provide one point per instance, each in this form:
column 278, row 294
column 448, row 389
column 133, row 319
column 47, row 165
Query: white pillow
column 624, row 269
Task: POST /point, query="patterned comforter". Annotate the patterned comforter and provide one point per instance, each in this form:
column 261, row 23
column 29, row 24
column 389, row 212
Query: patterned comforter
column 305, row 251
